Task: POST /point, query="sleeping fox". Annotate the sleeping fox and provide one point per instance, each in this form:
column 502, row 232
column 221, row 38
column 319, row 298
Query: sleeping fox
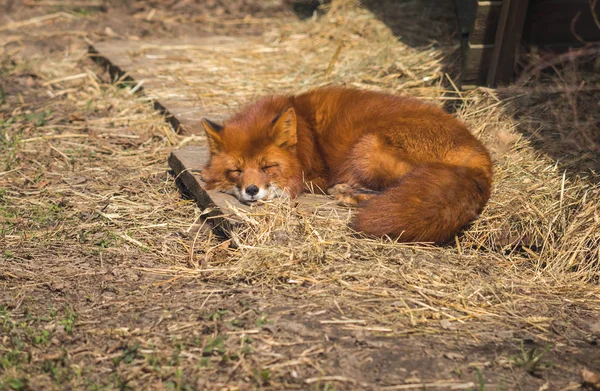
column 415, row 171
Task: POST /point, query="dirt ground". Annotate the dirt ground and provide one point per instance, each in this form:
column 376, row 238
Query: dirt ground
column 98, row 284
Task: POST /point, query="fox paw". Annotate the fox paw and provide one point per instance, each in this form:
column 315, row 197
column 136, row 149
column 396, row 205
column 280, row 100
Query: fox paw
column 346, row 195
column 340, row 188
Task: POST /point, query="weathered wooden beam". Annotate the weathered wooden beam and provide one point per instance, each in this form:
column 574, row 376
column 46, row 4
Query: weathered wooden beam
column 186, row 162
column 485, row 24
column 113, row 66
column 508, row 39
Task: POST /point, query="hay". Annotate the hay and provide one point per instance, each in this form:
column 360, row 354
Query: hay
column 538, row 215
column 536, row 207
column 542, row 214
column 91, row 219
column 347, row 46
column 86, row 193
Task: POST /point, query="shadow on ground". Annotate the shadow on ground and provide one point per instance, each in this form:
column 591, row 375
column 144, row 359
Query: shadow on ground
column 560, row 113
column 561, row 119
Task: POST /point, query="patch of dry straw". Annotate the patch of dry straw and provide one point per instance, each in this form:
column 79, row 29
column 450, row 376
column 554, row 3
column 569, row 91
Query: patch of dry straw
column 538, row 212
column 543, row 217
column 90, row 188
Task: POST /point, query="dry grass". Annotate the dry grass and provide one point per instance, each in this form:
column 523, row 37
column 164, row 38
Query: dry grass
column 543, row 216
column 86, row 195
column 540, row 230
column 540, row 212
column 347, row 46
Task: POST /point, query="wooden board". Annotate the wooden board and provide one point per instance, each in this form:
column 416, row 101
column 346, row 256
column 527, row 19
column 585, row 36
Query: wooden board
column 508, row 40
column 151, row 65
column 476, row 64
column 196, row 77
column 186, row 162
column 485, row 23
column 478, row 21
column 176, row 76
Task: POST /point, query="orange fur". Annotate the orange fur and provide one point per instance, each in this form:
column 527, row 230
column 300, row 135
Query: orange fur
column 433, row 174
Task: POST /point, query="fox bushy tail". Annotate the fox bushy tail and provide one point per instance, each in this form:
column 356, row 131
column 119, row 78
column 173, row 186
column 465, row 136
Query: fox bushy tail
column 429, row 204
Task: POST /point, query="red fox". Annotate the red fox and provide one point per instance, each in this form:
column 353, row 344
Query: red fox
column 415, row 171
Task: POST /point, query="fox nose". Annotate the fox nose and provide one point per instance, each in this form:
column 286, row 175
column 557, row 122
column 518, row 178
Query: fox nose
column 252, row 190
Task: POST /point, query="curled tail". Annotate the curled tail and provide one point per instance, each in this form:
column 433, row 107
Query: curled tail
column 430, row 204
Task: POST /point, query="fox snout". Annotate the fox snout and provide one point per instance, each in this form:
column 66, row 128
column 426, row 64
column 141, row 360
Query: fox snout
column 252, row 190
column 256, row 186
column 251, row 186
column 257, row 162
column 252, row 193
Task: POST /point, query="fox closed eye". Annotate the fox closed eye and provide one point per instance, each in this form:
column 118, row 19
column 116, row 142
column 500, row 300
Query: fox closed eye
column 234, row 173
column 268, row 166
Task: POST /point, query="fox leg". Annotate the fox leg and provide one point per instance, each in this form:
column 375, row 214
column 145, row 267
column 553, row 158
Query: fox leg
column 346, row 195
column 371, row 167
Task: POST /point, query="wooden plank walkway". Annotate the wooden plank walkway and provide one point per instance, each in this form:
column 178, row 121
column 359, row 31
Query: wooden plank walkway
column 166, row 71
column 172, row 75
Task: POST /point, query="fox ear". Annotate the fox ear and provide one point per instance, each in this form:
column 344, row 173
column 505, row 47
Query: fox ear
column 283, row 132
column 213, row 134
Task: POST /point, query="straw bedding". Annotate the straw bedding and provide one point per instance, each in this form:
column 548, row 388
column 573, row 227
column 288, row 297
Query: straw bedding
column 91, row 216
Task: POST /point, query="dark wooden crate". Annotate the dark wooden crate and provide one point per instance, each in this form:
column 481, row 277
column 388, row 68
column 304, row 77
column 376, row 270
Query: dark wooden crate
column 485, row 23
column 493, row 32
column 556, row 24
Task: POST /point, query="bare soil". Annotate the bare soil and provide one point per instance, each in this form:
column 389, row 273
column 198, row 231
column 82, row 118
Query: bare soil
column 86, row 305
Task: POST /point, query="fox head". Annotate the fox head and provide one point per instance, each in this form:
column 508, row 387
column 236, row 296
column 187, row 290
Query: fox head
column 253, row 156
